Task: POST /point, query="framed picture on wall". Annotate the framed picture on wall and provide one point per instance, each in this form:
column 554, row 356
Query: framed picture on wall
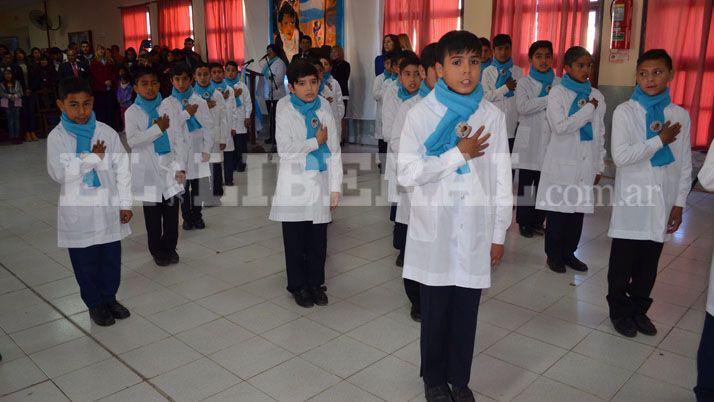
column 321, row 20
column 80, row 36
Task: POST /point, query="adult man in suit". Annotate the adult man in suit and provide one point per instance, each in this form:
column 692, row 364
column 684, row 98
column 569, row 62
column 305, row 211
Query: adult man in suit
column 73, row 67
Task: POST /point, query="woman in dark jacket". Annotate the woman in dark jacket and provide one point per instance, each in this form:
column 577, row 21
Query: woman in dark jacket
column 390, row 44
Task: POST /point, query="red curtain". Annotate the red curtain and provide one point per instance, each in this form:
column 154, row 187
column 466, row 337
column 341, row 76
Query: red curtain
column 684, row 29
column 424, row 21
column 518, row 19
column 224, row 30
column 174, row 22
column 133, row 20
column 565, row 23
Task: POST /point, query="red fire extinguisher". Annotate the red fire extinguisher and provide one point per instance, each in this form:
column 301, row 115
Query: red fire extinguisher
column 621, row 12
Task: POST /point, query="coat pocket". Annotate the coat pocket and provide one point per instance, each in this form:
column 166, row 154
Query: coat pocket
column 422, row 223
column 561, row 172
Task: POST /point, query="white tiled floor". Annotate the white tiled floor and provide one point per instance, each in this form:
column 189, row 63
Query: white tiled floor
column 220, row 325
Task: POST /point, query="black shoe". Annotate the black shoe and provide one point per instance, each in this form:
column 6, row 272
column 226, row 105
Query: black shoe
column 241, row 169
column 187, row 225
column 117, row 310
column 526, row 231
column 229, row 184
column 556, row 266
column 173, row 257
column 442, row 393
column 303, row 298
column 318, row 296
column 101, row 316
column 400, row 260
column 538, row 231
column 644, row 325
column 415, row 313
column 462, row 394
column 625, row 326
column 199, row 224
column 161, row 260
column 574, row 263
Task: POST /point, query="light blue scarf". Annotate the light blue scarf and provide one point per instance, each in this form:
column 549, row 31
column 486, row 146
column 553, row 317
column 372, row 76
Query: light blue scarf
column 206, row 93
column 582, row 95
column 504, row 73
column 183, row 98
column 402, row 92
column 232, row 84
column 389, row 76
column 655, row 105
column 325, row 79
column 424, row 89
column 546, row 79
column 459, row 109
column 486, row 64
column 315, row 160
column 162, row 145
column 84, row 134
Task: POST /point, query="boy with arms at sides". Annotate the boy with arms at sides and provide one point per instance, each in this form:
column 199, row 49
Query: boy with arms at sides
column 651, row 149
column 574, row 159
column 427, row 78
column 309, row 182
column 330, row 89
column 380, row 83
column 240, row 120
column 499, row 83
column 532, row 135
column 157, row 166
column 191, row 120
column 454, row 153
column 88, row 160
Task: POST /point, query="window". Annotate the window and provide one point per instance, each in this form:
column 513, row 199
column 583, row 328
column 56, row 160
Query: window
column 224, row 30
column 425, row 21
column 135, row 24
column 175, row 22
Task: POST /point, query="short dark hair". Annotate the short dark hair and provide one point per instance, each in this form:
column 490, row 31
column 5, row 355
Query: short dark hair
column 189, row 38
column 485, row 42
column 573, row 54
column 502, row 39
column 318, row 53
column 540, row 44
column 214, row 64
column 409, row 58
column 392, row 57
column 656, row 54
column 181, row 69
column 286, row 9
column 232, row 63
column 84, row 42
column 315, row 62
column 200, row 65
column 307, row 38
column 72, row 85
column 457, row 42
column 301, row 68
column 141, row 71
column 428, row 55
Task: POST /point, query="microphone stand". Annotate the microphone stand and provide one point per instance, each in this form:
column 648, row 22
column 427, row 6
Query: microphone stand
column 271, row 112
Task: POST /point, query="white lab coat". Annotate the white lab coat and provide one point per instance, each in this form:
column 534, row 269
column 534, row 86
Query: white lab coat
column 533, row 132
column 197, row 142
column 390, row 108
column 570, row 165
column 396, row 193
column 706, row 178
column 221, row 129
column 644, row 195
column 497, row 95
column 243, row 112
column 304, row 195
column 88, row 216
column 332, row 90
column 454, row 218
column 378, row 92
column 279, row 70
column 152, row 175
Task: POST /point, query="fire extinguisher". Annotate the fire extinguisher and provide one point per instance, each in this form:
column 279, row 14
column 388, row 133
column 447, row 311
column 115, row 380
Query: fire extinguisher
column 621, row 12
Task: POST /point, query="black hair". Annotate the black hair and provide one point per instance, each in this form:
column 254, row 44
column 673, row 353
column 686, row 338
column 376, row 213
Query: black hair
column 71, row 85
column 656, row 54
column 501, row 40
column 180, row 69
column 301, row 68
column 287, row 9
column 189, row 38
column 84, row 42
column 540, row 44
column 200, row 65
column 573, row 54
column 409, row 59
column 232, row 63
column 141, row 71
column 213, row 65
column 396, row 46
column 392, row 57
column 457, row 42
column 315, row 62
column 306, row 37
column 428, row 55
column 485, row 42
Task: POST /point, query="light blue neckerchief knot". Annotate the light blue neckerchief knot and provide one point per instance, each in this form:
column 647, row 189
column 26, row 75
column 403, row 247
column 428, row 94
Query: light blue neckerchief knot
column 315, row 160
column 654, row 107
column 504, row 73
column 83, row 134
column 582, row 95
column 183, row 98
column 546, row 80
column 162, row 145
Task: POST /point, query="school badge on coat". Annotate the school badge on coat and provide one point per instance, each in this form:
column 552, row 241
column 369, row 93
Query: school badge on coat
column 184, row 102
column 206, row 95
column 582, row 102
column 314, row 122
column 656, row 126
column 462, row 130
column 503, row 72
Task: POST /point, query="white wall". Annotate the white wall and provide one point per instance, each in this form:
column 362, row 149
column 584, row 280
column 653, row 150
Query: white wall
column 363, row 41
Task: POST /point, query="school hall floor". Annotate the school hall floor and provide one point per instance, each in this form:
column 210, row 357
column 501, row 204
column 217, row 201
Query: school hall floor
column 221, row 326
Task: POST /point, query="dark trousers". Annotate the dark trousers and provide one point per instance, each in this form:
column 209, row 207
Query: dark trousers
column 161, row 220
column 305, row 253
column 526, row 212
column 241, row 141
column 98, row 272
column 399, row 241
column 27, row 114
column 512, row 141
column 393, row 213
column 191, row 200
column 229, row 165
column 217, row 179
column 705, row 363
column 448, row 332
column 631, row 276
column 271, row 104
column 562, row 234
column 104, row 107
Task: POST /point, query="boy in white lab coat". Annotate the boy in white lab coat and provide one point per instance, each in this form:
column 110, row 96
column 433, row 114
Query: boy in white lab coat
column 574, row 160
column 532, row 135
column 380, row 84
column 309, row 182
column 329, row 87
column 499, row 83
column 651, row 149
column 486, row 54
column 88, row 160
column 191, row 120
column 157, row 166
column 461, row 209
column 240, row 121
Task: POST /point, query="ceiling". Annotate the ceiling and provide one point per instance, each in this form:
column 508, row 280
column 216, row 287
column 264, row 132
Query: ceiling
column 10, row 4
